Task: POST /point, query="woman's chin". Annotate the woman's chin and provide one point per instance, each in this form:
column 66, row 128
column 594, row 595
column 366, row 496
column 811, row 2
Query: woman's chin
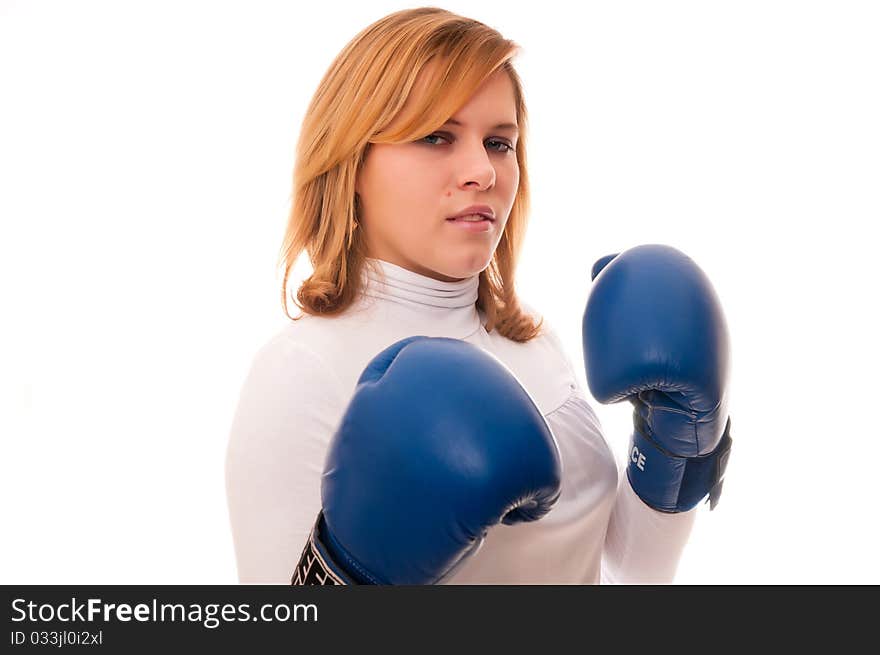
column 453, row 272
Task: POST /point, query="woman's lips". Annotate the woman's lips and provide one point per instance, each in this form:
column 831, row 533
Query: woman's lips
column 473, row 223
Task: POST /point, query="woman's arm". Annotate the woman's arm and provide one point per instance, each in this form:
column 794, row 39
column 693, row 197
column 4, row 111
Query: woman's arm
column 287, row 412
column 643, row 545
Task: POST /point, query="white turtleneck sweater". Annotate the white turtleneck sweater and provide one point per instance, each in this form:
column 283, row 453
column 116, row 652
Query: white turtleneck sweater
column 302, row 380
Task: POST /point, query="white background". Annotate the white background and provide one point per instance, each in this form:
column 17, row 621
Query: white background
column 146, row 152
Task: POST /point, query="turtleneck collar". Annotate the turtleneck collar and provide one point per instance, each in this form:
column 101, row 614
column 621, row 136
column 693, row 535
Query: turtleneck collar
column 437, row 308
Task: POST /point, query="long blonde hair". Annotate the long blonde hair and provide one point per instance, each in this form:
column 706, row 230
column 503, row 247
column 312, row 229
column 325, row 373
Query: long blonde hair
column 362, row 92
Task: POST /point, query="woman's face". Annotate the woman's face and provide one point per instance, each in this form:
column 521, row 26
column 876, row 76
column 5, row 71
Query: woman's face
column 408, row 191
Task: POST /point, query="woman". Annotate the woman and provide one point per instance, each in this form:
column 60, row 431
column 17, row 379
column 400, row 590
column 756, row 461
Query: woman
column 411, row 200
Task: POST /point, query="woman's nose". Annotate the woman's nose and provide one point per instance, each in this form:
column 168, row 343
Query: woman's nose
column 475, row 166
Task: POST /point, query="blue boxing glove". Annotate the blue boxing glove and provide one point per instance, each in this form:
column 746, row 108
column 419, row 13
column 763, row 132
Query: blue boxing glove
column 654, row 333
column 438, row 444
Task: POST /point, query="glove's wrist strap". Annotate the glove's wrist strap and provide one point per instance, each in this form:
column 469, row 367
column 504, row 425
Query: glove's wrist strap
column 316, row 566
column 670, row 483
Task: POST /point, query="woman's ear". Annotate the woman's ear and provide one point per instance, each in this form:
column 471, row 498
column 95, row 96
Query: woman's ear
column 359, row 172
column 357, row 178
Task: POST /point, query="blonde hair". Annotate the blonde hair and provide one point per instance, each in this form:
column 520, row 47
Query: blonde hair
column 362, row 92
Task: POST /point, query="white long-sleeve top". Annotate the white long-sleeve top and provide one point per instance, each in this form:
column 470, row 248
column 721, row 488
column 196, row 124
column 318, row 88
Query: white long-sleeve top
column 302, row 379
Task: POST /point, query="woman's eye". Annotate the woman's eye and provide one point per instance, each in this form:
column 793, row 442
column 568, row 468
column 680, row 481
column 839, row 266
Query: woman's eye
column 433, row 136
column 504, row 147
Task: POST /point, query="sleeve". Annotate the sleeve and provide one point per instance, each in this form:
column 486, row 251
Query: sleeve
column 642, row 545
column 287, row 412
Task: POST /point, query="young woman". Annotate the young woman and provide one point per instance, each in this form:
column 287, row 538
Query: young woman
column 411, row 201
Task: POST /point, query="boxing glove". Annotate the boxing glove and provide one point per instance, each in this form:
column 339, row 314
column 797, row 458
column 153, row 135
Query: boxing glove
column 439, row 443
column 654, row 334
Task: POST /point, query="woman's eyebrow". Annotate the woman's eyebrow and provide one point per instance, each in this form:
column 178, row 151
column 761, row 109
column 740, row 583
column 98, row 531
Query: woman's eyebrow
column 500, row 126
